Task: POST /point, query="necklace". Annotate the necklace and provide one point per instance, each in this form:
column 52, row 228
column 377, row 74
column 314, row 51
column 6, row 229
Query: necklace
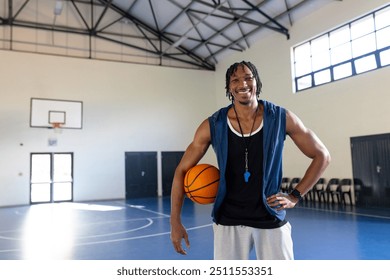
column 247, row 174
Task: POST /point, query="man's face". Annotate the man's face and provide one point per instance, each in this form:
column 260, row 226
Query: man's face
column 243, row 85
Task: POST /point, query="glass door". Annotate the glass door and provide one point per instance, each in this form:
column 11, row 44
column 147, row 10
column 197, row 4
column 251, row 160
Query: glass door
column 51, row 177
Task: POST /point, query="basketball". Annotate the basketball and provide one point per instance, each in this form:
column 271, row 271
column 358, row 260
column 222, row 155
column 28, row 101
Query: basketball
column 201, row 183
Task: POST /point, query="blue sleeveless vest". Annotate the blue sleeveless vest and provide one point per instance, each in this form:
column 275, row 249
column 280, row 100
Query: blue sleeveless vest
column 274, row 135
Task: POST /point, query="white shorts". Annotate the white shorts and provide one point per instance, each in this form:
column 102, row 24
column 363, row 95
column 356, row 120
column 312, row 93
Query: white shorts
column 236, row 243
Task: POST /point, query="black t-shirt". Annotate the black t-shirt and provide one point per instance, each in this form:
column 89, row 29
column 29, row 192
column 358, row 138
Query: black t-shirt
column 243, row 204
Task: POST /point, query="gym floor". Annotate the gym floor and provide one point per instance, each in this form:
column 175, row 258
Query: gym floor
column 138, row 229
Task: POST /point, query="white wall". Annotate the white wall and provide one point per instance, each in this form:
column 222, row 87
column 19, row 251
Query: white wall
column 126, row 108
column 336, row 111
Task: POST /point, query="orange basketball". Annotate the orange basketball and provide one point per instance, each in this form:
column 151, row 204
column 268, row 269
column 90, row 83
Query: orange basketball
column 201, row 183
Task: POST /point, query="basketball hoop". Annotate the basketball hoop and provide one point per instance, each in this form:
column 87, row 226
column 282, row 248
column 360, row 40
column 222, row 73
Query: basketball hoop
column 57, row 127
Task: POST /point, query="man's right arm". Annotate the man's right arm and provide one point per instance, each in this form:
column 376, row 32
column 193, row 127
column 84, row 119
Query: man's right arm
column 193, row 154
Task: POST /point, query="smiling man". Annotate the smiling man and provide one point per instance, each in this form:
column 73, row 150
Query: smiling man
column 248, row 139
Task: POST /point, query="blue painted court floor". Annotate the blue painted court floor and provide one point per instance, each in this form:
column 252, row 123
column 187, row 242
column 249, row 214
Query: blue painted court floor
column 138, row 229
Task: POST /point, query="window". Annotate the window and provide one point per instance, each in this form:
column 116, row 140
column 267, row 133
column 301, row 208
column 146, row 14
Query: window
column 356, row 47
column 51, row 177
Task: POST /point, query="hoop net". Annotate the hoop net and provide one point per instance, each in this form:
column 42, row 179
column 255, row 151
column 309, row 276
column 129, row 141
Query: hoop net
column 57, row 127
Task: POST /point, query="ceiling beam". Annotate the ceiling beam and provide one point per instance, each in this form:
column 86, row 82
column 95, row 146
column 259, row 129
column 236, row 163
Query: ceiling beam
column 281, row 28
column 199, row 60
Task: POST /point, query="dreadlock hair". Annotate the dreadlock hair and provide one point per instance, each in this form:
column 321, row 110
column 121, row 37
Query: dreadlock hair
column 233, row 69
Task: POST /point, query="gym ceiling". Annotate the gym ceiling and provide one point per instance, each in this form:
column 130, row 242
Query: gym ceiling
column 179, row 33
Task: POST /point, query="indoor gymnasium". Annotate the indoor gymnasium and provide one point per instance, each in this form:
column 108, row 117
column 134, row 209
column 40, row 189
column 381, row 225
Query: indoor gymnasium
column 100, row 99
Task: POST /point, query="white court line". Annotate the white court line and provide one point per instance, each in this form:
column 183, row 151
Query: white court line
column 142, row 207
column 119, row 232
column 138, row 237
column 139, row 207
column 346, row 213
column 119, row 239
column 150, row 219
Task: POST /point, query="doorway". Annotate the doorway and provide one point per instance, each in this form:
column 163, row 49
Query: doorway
column 141, row 174
column 169, row 162
column 51, row 177
column 371, row 164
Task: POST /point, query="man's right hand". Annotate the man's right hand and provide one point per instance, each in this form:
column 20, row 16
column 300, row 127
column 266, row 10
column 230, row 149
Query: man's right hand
column 178, row 232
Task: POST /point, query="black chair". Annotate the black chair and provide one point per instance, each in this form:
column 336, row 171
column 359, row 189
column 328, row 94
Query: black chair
column 310, row 196
column 319, row 189
column 358, row 187
column 285, row 184
column 294, row 181
column 331, row 190
column 345, row 189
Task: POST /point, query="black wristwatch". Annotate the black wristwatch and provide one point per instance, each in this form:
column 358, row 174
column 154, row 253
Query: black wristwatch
column 295, row 193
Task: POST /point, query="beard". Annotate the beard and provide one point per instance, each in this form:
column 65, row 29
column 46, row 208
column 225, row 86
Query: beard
column 245, row 102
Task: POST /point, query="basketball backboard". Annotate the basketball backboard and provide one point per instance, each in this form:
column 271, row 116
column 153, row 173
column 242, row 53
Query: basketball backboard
column 48, row 112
